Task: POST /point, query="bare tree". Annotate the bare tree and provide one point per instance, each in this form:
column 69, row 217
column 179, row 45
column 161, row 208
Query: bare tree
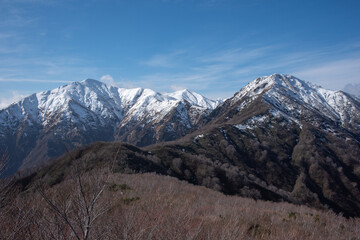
column 80, row 208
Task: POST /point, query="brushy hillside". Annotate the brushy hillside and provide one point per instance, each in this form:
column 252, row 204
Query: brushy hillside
column 213, row 161
column 101, row 204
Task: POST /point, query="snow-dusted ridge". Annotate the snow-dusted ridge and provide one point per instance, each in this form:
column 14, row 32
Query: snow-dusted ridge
column 91, row 99
column 37, row 127
column 194, row 98
column 296, row 98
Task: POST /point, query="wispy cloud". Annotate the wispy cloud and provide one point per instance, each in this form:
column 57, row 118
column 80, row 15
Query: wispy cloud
column 232, row 68
column 45, row 69
column 163, row 60
column 13, row 16
column 109, row 80
column 214, row 71
column 237, row 55
column 14, row 97
column 33, row 80
column 176, row 87
column 333, row 74
column 159, row 61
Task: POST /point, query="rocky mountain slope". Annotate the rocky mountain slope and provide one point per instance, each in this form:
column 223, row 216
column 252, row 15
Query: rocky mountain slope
column 279, row 138
column 40, row 126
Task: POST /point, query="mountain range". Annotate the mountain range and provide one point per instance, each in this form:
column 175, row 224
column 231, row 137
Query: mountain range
column 40, row 127
column 279, row 138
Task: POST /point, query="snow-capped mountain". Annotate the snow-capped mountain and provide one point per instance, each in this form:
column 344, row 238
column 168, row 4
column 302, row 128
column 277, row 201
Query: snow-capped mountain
column 41, row 125
column 303, row 101
column 280, row 138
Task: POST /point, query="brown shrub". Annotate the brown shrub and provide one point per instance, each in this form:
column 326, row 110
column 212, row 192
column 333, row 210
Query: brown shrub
column 150, row 206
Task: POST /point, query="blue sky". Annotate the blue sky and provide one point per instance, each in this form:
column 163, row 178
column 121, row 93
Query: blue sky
column 213, row 47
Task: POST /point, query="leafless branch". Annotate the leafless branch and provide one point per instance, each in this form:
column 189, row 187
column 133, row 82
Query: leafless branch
column 83, row 200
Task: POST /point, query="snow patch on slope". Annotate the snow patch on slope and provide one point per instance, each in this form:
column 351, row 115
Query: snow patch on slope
column 194, row 99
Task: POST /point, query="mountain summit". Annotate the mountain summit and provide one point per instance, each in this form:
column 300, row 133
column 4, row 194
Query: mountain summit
column 40, row 126
column 296, row 99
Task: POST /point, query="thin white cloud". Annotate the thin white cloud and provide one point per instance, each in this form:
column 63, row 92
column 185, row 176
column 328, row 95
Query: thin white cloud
column 13, row 16
column 207, row 70
column 45, row 69
column 33, row 80
column 237, row 55
column 176, row 87
column 13, row 98
column 163, row 60
column 220, row 71
column 109, row 80
column 159, row 61
column 334, row 74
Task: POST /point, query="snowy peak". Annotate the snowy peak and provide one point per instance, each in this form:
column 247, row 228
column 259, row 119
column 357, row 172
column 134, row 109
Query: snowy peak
column 79, row 99
column 91, row 102
column 273, row 86
column 297, row 98
column 83, row 112
column 194, row 99
column 276, row 82
column 90, row 82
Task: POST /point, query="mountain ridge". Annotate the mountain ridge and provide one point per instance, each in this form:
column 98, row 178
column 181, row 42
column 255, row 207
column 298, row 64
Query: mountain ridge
column 274, row 146
column 295, row 98
column 83, row 112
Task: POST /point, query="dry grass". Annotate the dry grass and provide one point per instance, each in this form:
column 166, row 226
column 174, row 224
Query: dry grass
column 149, row 206
column 170, row 209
